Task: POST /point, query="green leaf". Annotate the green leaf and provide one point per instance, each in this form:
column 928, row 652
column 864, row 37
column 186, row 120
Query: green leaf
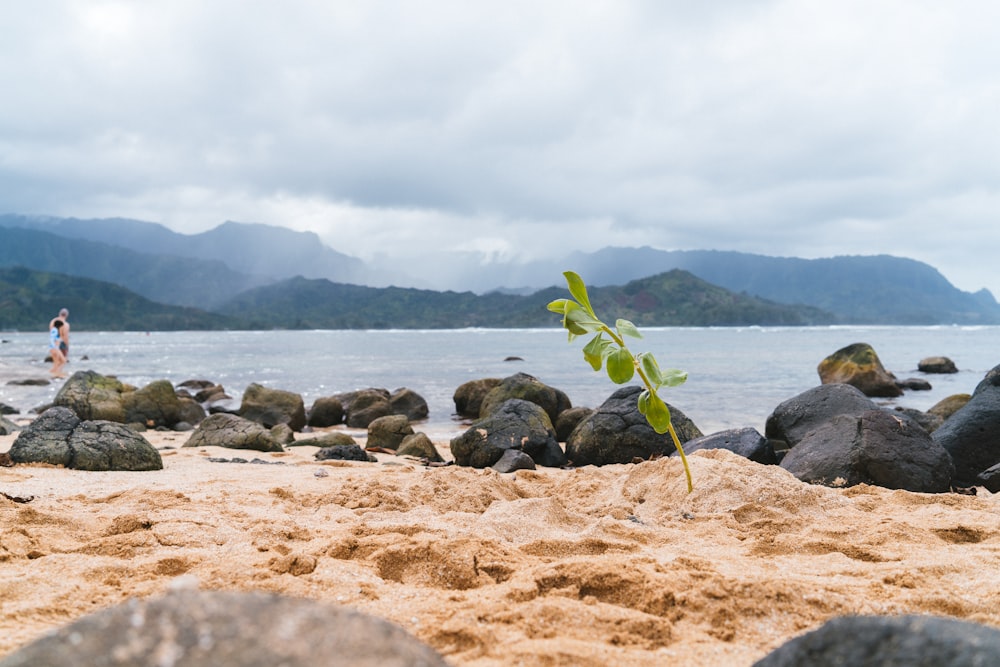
column 626, row 328
column 558, row 306
column 595, row 351
column 650, row 367
column 580, row 322
column 621, row 366
column 657, row 414
column 579, row 291
column 643, row 402
column 673, row 377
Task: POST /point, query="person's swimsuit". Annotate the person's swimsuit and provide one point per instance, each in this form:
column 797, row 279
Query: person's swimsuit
column 54, row 338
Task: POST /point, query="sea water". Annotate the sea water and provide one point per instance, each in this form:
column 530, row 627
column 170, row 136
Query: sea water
column 737, row 375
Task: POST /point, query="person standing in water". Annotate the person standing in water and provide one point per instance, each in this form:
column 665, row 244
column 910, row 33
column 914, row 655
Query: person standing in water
column 55, row 342
column 64, row 345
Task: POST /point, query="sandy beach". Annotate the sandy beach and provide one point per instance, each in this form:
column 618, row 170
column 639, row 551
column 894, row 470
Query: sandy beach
column 591, row 566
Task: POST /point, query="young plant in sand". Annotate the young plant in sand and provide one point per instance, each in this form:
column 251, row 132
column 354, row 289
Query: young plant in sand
column 579, row 319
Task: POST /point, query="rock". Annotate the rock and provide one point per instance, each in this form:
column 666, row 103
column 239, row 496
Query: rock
column 876, row 448
column 469, row 396
column 8, row 427
column 388, row 432
column 190, row 411
column 364, row 406
column 526, row 388
column 233, row 432
column 409, row 403
column 746, row 442
column 93, row 396
column 972, row 434
column 154, row 405
column 797, row 416
column 618, row 433
column 283, row 434
column 949, row 405
column 190, row 628
column 569, row 420
column 210, row 393
column 418, row 445
column 273, row 406
column 914, row 384
column 329, row 440
column 937, row 365
column 59, row 437
column 890, row 641
column 514, row 459
column 859, row 366
column 927, row 421
column 990, row 479
column 345, row 453
column 7, row 409
column 514, row 424
column 326, row 411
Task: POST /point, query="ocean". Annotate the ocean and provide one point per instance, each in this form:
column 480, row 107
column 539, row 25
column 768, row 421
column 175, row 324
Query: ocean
column 737, row 375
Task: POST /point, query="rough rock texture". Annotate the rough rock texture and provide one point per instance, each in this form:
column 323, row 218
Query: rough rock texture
column 364, row 406
column 93, row 396
column 326, row 411
column 972, row 434
column 876, row 448
column 59, row 437
column 890, row 641
column 408, row 403
column 190, row 411
column 937, row 365
column 388, row 432
column 515, row 424
column 514, row 459
column 419, row 445
column 273, row 406
column 154, row 405
column 568, row 420
column 859, row 366
column 344, row 453
column 747, row 442
column 618, row 433
column 469, row 396
column 794, row 418
column 526, row 388
column 7, row 426
column 329, row 440
column 234, row 432
column 949, row 405
column 214, row 628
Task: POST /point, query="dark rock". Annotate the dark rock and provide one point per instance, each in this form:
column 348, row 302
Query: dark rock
column 154, row 405
column 526, row 388
column 469, row 396
column 329, row 440
column 326, row 411
column 344, row 453
column 746, row 442
column 213, row 628
column 211, row 392
column 794, row 418
column 195, row 384
column 222, row 405
column 876, row 448
column 990, row 478
column 514, row 459
column 419, row 446
column 189, row 411
column 937, row 365
column 7, row 426
column 927, row 421
column 972, row 434
column 388, row 432
column 914, row 384
column 31, row 382
column 8, row 409
column 949, row 405
column 59, row 437
column 890, row 641
column 273, row 406
column 514, row 424
column 408, row 403
column 569, row 420
column 183, row 426
column 859, row 366
column 364, row 406
column 233, row 432
column 618, row 433
column 283, row 434
column 93, row 396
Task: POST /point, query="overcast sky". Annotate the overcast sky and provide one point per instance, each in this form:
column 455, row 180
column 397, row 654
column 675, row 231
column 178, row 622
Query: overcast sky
column 519, row 129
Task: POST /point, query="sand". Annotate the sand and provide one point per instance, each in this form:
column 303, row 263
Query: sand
column 592, row 566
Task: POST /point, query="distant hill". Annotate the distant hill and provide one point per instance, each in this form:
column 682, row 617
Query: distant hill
column 29, row 299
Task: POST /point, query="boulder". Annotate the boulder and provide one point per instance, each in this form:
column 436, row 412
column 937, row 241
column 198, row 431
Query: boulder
column 409, row 403
column 569, row 420
column 154, row 405
column 233, row 432
column 364, row 406
column 797, row 416
column 190, row 411
column 190, row 628
column 210, row 393
column 8, row 409
column 419, row 445
column 890, row 641
column 514, row 459
column 283, row 434
column 927, row 421
column 617, row 432
column 469, row 396
column 345, row 453
column 937, row 365
column 273, row 406
column 972, row 434
column 93, row 396
column 914, row 384
column 7, row 427
column 59, row 437
column 326, row 411
column 388, row 432
column 859, row 366
column 990, row 479
column 331, row 439
column 949, row 405
column 526, row 388
column 877, row 448
column 746, row 442
column 514, row 424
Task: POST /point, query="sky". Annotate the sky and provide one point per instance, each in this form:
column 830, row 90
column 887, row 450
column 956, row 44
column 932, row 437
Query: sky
column 521, row 130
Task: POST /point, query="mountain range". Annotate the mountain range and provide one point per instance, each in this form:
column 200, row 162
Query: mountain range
column 269, row 276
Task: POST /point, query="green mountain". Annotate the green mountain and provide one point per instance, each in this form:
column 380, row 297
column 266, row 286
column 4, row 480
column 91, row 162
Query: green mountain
column 29, row 299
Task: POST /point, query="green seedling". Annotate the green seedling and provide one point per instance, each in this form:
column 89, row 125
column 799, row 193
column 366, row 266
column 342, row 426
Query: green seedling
column 579, row 319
